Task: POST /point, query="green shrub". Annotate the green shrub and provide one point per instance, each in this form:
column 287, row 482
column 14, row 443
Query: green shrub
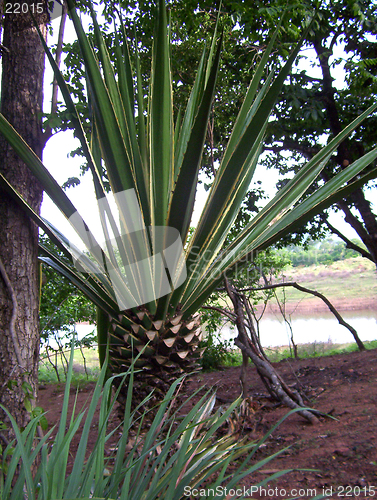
column 218, row 352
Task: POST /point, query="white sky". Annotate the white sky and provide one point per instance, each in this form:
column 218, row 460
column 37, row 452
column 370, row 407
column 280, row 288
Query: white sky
column 62, row 167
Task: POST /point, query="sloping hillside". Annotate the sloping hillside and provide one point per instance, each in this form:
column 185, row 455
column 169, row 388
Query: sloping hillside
column 349, row 284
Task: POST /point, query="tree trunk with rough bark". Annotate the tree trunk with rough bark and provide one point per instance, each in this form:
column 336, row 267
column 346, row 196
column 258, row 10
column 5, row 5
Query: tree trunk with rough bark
column 21, row 104
column 365, row 224
column 275, row 385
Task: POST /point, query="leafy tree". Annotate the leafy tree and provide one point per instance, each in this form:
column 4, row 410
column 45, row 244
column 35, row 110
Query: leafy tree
column 62, row 307
column 314, row 252
column 266, row 265
column 348, row 26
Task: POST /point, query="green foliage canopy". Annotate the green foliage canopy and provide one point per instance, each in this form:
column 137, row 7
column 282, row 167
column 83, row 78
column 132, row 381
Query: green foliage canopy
column 62, row 305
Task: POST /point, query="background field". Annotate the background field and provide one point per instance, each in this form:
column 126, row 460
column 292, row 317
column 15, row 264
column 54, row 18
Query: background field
column 351, row 283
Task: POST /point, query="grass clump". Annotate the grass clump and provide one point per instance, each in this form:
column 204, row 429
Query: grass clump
column 315, row 350
column 53, row 368
column 80, row 376
column 223, row 356
column 175, row 455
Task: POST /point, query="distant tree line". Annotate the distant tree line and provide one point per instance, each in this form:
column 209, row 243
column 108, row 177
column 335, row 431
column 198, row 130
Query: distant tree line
column 319, row 252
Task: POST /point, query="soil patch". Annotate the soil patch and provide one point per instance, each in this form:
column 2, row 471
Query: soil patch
column 341, row 450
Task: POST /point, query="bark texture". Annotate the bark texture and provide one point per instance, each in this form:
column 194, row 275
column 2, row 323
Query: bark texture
column 251, row 348
column 21, row 104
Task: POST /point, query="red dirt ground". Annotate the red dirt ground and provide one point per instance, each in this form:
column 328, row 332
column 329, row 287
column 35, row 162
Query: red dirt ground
column 342, row 450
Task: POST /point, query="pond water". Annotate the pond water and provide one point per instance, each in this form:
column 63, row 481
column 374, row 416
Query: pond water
column 318, row 327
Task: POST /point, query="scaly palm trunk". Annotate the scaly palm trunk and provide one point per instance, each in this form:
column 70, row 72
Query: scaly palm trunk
column 165, row 351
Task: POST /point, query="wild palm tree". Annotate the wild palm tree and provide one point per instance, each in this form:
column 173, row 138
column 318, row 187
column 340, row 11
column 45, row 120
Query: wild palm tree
column 151, row 275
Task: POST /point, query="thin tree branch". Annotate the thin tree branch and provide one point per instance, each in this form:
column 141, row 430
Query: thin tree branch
column 231, row 316
column 352, row 220
column 322, row 297
column 227, row 313
column 255, row 339
column 55, row 88
column 309, row 415
column 57, row 308
column 268, row 374
column 282, row 312
column 334, row 39
column 349, row 243
column 288, row 145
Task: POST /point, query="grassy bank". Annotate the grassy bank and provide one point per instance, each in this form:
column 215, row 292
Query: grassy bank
column 82, row 374
column 351, row 281
column 85, row 367
column 314, row 350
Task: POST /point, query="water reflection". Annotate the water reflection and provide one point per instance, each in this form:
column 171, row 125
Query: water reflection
column 318, row 327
